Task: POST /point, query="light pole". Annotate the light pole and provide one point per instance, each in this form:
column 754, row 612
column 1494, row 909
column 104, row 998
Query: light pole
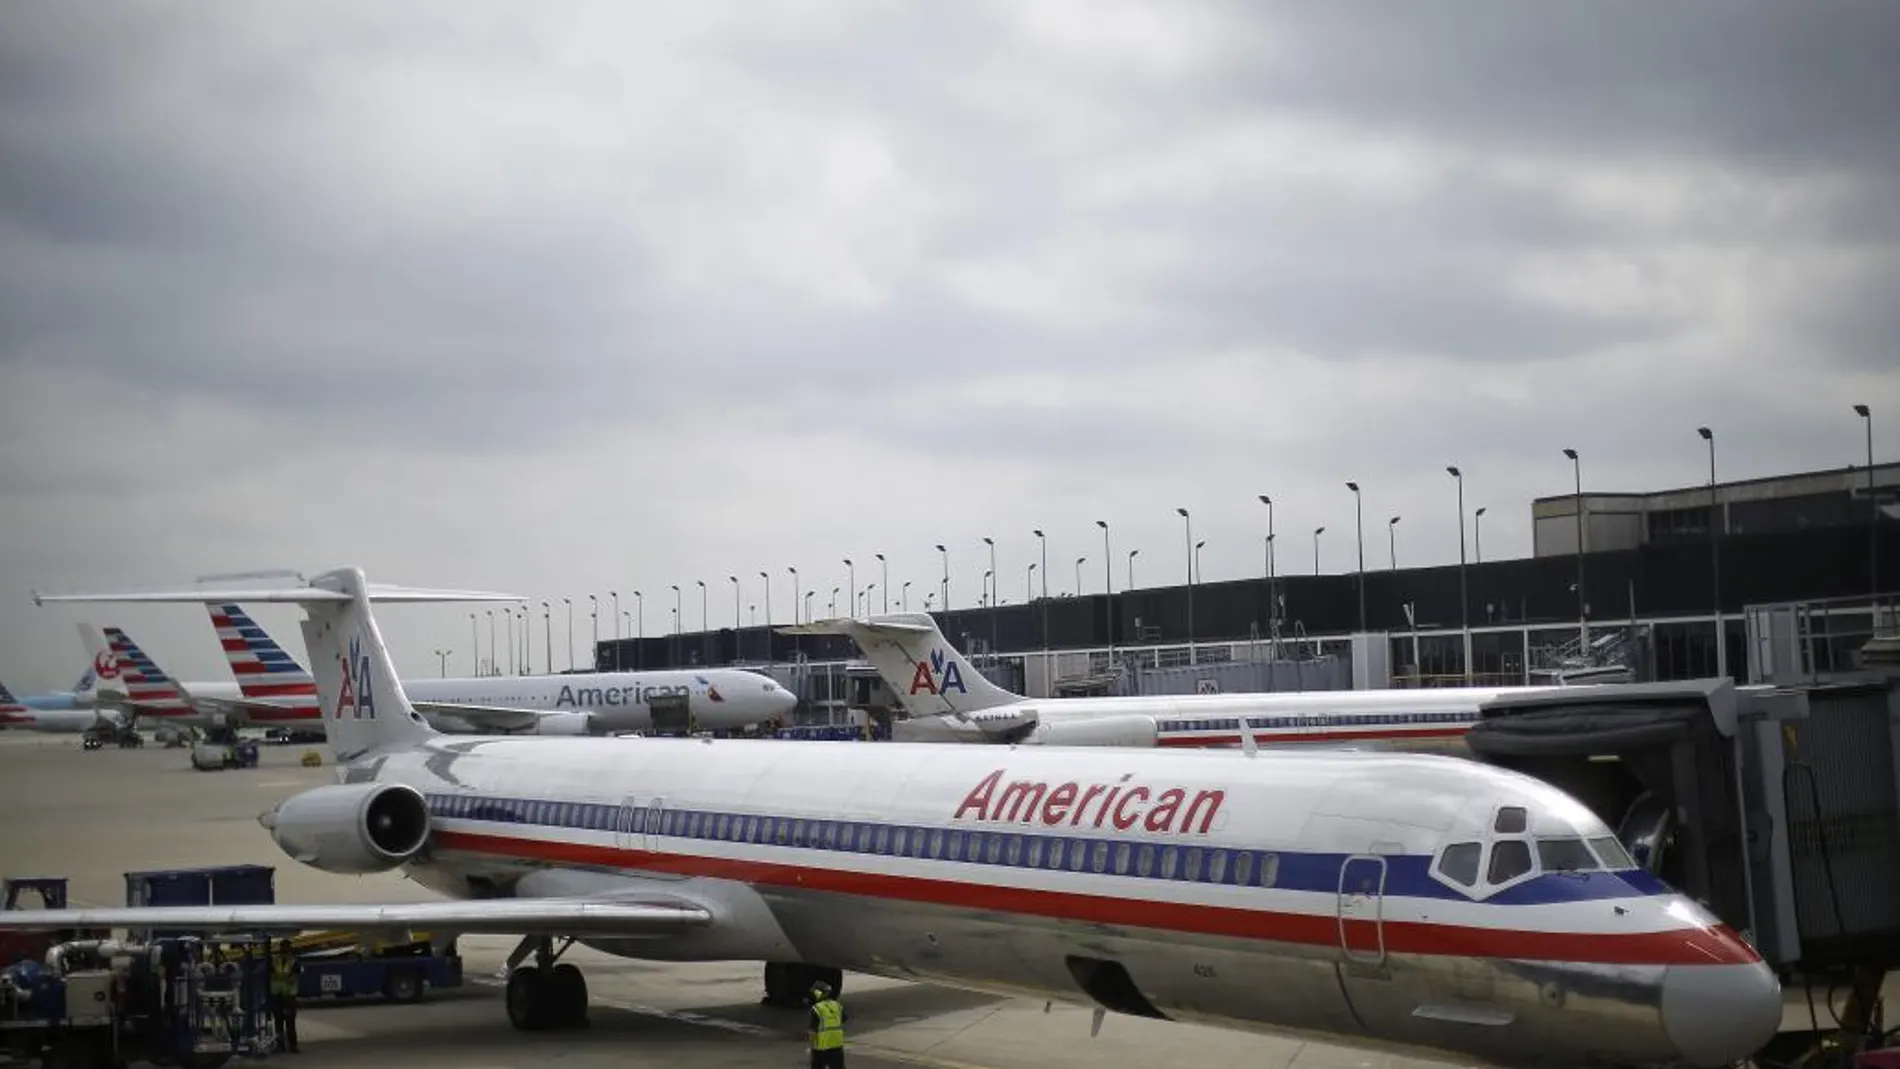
column 615, row 594
column 475, row 642
column 1359, row 521
column 679, row 624
column 1873, row 512
column 906, row 593
column 766, row 581
column 1317, row 531
column 1715, row 557
column 492, row 670
column 1029, row 583
column 991, row 542
column 737, row 623
column 547, row 632
column 569, row 602
column 834, row 603
column 703, row 625
column 508, row 613
column 1044, row 544
column 1583, row 612
column 1392, row 537
column 796, row 599
column 442, row 656
column 946, row 576
column 1464, row 595
column 1078, row 575
column 884, row 578
column 809, row 594
column 1477, row 534
column 1187, row 540
column 1273, row 611
column 639, row 630
column 1132, row 554
column 851, row 584
column 1108, row 590
column 593, row 651
column 1197, row 560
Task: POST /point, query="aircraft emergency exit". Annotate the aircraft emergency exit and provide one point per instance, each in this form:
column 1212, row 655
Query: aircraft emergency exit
column 1394, row 902
column 949, row 700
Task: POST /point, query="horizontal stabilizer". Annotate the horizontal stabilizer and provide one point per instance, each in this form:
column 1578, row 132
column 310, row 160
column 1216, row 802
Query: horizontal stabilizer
column 849, row 627
column 481, row 717
column 292, row 594
column 493, row 916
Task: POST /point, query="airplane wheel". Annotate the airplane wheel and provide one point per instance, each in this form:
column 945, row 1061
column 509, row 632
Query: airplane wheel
column 527, row 999
column 565, row 995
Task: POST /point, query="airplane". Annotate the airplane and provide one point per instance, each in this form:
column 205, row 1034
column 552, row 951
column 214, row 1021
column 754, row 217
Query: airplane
column 950, row 701
column 1394, row 902
column 73, row 712
column 272, row 690
column 84, row 693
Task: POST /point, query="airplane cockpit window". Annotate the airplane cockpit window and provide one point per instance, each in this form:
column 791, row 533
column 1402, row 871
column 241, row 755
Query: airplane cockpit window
column 1565, row 855
column 1459, row 863
column 1511, row 820
column 1615, row 858
column 1510, row 858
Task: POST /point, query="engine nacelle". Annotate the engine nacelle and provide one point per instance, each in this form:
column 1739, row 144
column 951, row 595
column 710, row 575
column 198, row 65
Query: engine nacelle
column 351, row 828
column 564, row 724
column 1103, row 731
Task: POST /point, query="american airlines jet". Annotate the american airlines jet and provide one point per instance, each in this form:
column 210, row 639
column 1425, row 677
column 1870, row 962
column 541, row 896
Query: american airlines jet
column 948, row 700
column 1391, row 901
column 272, row 689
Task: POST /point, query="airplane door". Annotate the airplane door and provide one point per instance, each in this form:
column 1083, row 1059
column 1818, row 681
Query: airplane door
column 1362, row 909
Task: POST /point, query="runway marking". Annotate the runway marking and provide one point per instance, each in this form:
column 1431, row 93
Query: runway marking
column 706, row 1020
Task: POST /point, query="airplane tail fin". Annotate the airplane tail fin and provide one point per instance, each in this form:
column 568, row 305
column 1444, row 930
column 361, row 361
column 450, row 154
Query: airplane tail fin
column 149, row 690
column 362, row 700
column 11, row 711
column 104, row 667
column 922, row 668
column 263, row 668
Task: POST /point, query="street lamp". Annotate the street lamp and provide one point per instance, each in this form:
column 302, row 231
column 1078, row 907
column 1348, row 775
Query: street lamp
column 547, row 632
column 1359, row 513
column 834, row 603
column 1392, row 536
column 615, row 594
column 1873, row 510
column 1715, row 557
column 1197, row 559
column 1029, row 583
column 702, row 614
column 475, row 638
column 906, row 593
column 679, row 625
column 1132, row 554
column 1187, row 540
column 766, row 581
column 1583, row 613
column 1464, row 596
column 795, row 598
column 1108, row 589
column 492, row 670
column 569, row 602
column 639, row 630
column 1477, row 534
column 1044, row 543
column 595, row 612
column 851, row 584
column 1272, row 606
column 1317, row 531
column 442, row 656
column 946, row 576
column 990, row 542
column 884, row 577
column 734, row 580
column 1078, row 575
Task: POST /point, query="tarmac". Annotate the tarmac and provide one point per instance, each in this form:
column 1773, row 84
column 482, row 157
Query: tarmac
column 93, row 816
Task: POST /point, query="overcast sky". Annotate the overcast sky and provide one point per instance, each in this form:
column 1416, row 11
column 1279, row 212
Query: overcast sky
column 558, row 298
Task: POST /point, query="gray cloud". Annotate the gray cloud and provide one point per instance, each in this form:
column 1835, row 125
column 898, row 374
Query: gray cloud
column 629, row 295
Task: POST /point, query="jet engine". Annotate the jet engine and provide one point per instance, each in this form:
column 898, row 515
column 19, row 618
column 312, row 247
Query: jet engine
column 1103, row 731
column 564, row 724
column 351, row 828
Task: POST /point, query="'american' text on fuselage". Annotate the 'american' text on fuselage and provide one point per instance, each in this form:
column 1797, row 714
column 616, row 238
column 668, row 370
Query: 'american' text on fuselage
column 607, row 697
column 1124, row 807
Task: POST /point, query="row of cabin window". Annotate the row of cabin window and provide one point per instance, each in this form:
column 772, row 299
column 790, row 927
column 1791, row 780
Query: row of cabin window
column 1242, row 868
column 1339, row 719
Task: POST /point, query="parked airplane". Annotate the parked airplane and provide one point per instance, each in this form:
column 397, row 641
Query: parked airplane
column 101, row 670
column 949, row 700
column 1396, row 902
column 272, row 689
column 70, row 712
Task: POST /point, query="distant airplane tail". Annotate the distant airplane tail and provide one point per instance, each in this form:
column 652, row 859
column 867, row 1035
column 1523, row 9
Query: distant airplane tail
column 11, row 711
column 263, row 669
column 925, row 672
column 104, row 667
column 362, row 700
column 148, row 689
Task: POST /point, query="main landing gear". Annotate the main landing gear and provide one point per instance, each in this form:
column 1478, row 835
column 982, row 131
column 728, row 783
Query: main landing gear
column 545, row 996
column 788, row 984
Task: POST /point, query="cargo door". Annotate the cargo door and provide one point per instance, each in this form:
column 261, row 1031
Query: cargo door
column 1362, row 909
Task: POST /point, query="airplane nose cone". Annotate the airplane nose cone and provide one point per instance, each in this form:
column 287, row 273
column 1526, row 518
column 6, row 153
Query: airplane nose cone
column 1719, row 1014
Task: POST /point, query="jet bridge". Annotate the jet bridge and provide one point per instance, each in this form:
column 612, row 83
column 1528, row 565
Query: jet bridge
column 1777, row 807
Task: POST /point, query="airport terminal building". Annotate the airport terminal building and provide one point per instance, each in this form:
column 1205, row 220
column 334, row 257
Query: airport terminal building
column 1641, row 599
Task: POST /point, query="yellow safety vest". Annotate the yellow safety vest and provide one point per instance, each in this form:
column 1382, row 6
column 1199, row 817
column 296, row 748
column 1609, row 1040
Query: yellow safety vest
column 283, row 980
column 830, row 1033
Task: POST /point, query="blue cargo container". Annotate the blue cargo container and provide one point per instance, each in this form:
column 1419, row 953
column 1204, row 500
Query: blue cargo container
column 230, row 885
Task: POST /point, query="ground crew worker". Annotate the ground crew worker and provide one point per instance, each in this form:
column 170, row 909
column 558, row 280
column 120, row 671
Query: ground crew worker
column 283, row 997
column 825, row 1028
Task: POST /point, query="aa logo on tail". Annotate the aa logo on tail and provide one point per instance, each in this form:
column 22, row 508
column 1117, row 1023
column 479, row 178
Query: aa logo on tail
column 358, row 697
column 939, row 675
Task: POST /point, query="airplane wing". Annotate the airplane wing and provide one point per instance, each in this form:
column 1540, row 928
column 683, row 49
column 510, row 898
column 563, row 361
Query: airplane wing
column 853, row 628
column 654, row 915
column 480, row 717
